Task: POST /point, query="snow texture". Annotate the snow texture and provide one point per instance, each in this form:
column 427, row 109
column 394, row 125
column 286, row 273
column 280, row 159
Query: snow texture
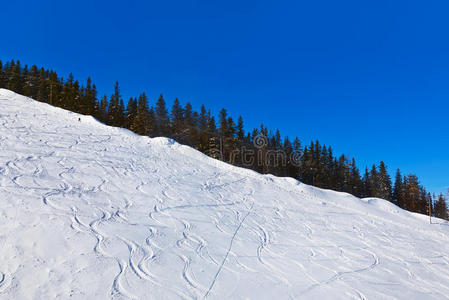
column 89, row 211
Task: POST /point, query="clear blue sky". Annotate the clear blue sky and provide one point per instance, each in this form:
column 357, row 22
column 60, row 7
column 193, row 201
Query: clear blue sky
column 369, row 78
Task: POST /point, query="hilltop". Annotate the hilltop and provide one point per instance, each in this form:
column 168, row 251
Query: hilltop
column 92, row 211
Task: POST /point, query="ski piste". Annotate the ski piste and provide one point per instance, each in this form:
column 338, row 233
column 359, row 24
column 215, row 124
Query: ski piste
column 95, row 212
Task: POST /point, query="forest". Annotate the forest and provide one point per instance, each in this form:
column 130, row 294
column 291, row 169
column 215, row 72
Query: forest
column 223, row 137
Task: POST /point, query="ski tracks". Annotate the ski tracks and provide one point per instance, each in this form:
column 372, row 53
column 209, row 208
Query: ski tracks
column 227, row 252
column 164, row 221
column 5, row 282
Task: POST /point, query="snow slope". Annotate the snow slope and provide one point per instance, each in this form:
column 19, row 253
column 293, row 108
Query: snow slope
column 93, row 212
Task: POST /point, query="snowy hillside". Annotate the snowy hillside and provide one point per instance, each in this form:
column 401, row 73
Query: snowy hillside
column 93, row 212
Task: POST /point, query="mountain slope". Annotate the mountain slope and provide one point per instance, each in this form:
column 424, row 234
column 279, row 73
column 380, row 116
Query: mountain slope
column 90, row 211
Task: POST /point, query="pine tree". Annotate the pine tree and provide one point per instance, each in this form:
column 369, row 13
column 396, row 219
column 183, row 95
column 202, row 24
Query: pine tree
column 306, row 166
column 343, row 173
column 54, row 87
column 412, row 193
column 96, row 103
column 76, row 105
column 374, row 182
column 314, row 164
column 223, row 121
column 141, row 122
column 203, row 121
column 211, row 125
column 43, row 89
column 26, row 88
column 104, row 110
column 398, row 189
column 293, row 152
column 121, row 113
column 152, row 127
column 384, row 183
column 331, row 168
column 297, row 147
column 277, row 142
column 89, row 101
column 366, row 184
column 68, row 93
column 190, row 130
column 116, row 114
column 441, row 208
column 33, row 81
column 131, row 112
column 15, row 80
column 423, row 205
column 356, row 184
column 189, row 117
column 288, row 149
column 177, row 119
column 162, row 120
column 2, row 75
column 240, row 129
column 232, row 130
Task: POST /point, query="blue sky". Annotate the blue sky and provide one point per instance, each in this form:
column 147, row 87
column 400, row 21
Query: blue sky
column 369, row 78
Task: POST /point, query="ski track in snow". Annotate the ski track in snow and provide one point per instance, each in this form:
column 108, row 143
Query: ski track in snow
column 227, row 252
column 90, row 211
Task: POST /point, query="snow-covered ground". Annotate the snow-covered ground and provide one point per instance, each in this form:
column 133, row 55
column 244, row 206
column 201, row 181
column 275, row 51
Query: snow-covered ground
column 93, row 212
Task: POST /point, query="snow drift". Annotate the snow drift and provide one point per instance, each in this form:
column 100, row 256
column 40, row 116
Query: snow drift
column 89, row 211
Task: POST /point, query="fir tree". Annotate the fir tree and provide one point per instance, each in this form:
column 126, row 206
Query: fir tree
column 295, row 158
column 121, row 113
column 15, row 79
column 141, row 122
column 34, row 81
column 223, row 121
column 374, row 182
column 277, row 142
column 412, row 193
column 67, row 93
column 162, row 120
column 315, row 164
column 240, row 129
column 104, row 109
column 367, row 184
column 189, row 117
column 441, row 208
column 398, row 189
column 231, row 127
column 75, row 104
column 356, row 184
column 211, row 125
column 90, row 101
column 131, row 112
column 152, row 127
column 2, row 75
column 116, row 114
column 384, row 183
column 203, row 121
column 343, row 173
column 177, row 119
column 26, row 82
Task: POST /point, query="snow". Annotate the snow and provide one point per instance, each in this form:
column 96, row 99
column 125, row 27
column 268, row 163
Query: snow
column 94, row 212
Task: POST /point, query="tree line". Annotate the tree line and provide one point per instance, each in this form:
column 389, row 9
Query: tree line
column 261, row 149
